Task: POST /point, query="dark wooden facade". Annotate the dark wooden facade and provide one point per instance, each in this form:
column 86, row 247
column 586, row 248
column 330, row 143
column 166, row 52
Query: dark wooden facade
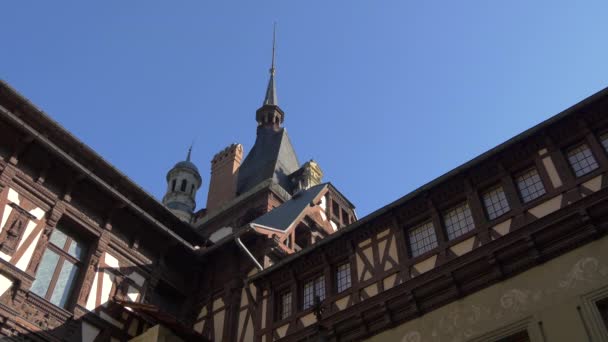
column 142, row 266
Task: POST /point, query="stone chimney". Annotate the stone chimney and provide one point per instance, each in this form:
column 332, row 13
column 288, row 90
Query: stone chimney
column 224, row 168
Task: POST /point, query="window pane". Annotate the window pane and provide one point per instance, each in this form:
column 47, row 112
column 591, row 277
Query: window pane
column 308, row 295
column 77, row 249
column 530, row 185
column 285, row 305
column 582, row 161
column 422, row 239
column 496, row 203
column 458, row 221
column 45, row 273
column 320, row 287
column 65, row 282
column 58, row 238
column 343, row 277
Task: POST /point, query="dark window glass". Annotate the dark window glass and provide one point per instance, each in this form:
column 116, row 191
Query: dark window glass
column 495, row 202
column 59, row 268
column 285, row 305
column 343, row 280
column 458, row 221
column 582, row 161
column 173, row 185
column 521, row 336
column 183, row 186
column 422, row 239
column 530, row 185
column 312, row 289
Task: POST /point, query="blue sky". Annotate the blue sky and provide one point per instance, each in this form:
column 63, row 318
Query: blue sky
column 384, row 95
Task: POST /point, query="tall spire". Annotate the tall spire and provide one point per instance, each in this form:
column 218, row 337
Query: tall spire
column 271, row 92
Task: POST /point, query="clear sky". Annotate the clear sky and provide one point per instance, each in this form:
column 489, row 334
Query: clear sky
column 384, row 95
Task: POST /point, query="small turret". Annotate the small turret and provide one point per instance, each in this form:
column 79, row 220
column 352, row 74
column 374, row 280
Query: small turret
column 183, row 180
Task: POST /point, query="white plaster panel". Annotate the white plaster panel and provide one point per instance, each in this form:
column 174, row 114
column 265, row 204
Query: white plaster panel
column 5, row 256
column 546, row 207
column 218, row 325
column 426, row 265
column 37, row 213
column 29, row 228
column 333, row 225
column 111, row 261
column 552, row 171
column 5, row 284
column 282, row 330
column 264, row 303
column 108, row 280
column 27, row 256
column 594, row 184
column 13, row 196
column 89, row 332
column 198, row 327
column 7, row 212
column 133, row 293
column 92, row 294
column 218, row 303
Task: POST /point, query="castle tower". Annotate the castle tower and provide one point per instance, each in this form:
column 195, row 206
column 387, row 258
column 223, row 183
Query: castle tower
column 183, row 180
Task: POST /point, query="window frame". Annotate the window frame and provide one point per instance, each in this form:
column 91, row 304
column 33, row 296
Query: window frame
column 337, row 277
column 64, row 256
column 280, row 307
column 573, row 147
column 489, row 190
column 540, row 177
column 313, row 280
column 444, row 213
column 418, row 226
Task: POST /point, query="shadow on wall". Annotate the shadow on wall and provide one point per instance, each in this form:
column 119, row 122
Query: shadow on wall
column 117, row 309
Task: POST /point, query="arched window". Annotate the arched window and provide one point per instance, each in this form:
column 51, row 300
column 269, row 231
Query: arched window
column 183, row 186
column 191, row 189
column 173, row 185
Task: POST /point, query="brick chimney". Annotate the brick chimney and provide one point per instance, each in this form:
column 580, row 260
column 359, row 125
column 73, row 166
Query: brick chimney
column 224, row 168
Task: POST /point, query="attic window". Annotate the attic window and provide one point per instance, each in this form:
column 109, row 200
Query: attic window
column 582, row 161
column 530, row 185
column 422, row 239
column 458, row 221
column 495, row 202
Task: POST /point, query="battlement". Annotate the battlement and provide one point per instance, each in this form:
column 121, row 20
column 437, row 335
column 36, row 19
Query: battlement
column 231, row 152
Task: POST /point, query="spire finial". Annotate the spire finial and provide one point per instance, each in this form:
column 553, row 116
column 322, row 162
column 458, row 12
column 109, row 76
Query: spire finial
column 271, row 92
column 189, row 152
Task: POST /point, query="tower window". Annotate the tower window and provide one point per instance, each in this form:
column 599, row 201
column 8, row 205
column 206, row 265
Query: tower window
column 582, row 161
column 530, row 185
column 458, row 221
column 173, row 185
column 191, row 189
column 183, row 186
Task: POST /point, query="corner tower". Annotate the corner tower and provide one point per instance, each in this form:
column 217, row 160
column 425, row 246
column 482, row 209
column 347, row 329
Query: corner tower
column 183, row 180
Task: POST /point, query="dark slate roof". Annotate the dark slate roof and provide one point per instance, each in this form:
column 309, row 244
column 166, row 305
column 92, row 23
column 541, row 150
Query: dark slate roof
column 186, row 165
column 284, row 215
column 272, row 156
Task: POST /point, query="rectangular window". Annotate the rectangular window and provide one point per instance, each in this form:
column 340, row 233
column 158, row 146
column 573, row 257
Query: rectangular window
column 458, row 221
column 285, row 305
column 495, row 202
column 530, row 185
column 581, row 160
column 422, row 239
column 343, row 280
column 59, row 268
column 312, row 289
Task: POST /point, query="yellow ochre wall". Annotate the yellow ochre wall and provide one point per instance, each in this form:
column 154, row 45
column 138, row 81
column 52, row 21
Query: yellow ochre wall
column 554, row 301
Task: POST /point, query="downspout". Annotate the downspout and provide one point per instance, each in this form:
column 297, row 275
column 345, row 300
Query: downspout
column 240, row 244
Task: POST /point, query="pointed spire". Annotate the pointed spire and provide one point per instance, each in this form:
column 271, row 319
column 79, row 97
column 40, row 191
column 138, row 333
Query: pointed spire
column 271, row 92
column 189, row 152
